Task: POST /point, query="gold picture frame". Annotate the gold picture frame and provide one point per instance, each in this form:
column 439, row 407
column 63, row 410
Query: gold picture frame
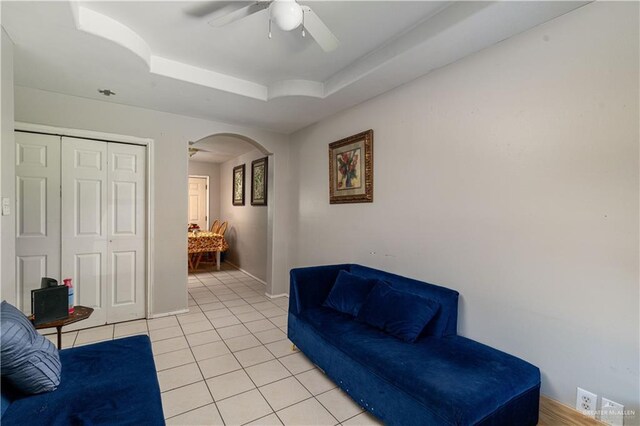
column 351, row 169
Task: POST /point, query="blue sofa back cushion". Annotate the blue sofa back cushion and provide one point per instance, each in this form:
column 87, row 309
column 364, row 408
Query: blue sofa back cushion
column 445, row 323
column 349, row 293
column 29, row 361
column 403, row 315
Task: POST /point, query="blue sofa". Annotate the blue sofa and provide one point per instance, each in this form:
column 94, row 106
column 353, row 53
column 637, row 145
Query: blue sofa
column 441, row 379
column 106, row 383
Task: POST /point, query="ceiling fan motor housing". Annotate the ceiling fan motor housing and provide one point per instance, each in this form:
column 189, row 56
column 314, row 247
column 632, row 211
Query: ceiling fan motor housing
column 287, row 14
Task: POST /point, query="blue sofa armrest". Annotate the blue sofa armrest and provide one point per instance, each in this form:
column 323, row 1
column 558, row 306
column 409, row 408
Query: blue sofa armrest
column 311, row 286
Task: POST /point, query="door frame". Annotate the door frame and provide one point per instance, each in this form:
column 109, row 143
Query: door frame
column 207, row 191
column 114, row 137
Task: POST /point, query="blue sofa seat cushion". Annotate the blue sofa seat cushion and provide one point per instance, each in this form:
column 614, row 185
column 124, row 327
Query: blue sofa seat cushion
column 349, row 293
column 28, row 360
column 464, row 379
column 107, row 383
column 400, row 314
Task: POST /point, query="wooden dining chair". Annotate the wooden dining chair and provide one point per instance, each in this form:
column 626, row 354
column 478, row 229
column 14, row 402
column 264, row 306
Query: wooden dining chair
column 211, row 257
column 215, row 226
column 222, row 229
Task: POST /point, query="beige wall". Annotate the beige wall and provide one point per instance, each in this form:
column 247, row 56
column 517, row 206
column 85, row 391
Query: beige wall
column 199, row 168
column 512, row 177
column 247, row 232
column 7, row 174
column 171, row 134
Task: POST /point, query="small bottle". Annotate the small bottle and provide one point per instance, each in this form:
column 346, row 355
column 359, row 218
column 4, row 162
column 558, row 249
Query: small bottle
column 67, row 283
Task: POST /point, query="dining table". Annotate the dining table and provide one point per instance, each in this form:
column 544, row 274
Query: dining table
column 205, row 242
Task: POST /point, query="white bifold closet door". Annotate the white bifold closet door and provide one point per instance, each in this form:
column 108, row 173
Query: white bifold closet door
column 81, row 209
column 103, row 227
column 37, row 212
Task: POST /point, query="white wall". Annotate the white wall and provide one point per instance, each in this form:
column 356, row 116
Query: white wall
column 199, row 168
column 512, row 177
column 247, row 231
column 171, row 134
column 7, row 175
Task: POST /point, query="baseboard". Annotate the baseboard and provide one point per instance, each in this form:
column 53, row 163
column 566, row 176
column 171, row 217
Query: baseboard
column 276, row 296
column 553, row 413
column 166, row 314
column 248, row 273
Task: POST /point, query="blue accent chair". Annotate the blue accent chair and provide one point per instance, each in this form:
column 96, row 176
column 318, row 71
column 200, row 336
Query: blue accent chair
column 108, row 383
column 441, row 379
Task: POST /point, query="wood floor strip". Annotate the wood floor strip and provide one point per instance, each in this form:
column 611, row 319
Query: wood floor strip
column 553, row 413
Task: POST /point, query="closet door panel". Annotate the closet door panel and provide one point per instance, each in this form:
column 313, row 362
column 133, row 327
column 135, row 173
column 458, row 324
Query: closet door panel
column 88, row 270
column 127, row 232
column 37, row 212
column 84, row 223
column 32, row 199
column 29, row 271
column 123, row 270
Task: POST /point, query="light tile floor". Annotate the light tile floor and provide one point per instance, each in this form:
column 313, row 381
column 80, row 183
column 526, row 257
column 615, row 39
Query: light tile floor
column 229, row 362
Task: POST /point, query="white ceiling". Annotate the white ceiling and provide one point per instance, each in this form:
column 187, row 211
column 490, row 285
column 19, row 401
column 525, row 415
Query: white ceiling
column 160, row 55
column 220, row 148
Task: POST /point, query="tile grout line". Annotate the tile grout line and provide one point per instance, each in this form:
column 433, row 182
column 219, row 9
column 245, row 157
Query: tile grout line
column 243, row 368
column 201, row 373
column 250, row 333
column 232, row 353
column 245, row 372
column 197, row 365
column 235, row 283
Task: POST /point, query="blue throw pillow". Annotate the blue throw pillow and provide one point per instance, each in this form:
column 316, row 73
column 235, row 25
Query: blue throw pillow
column 29, row 361
column 399, row 313
column 349, row 293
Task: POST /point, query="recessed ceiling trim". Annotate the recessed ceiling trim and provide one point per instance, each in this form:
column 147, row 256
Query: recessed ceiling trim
column 411, row 43
column 102, row 26
column 204, row 77
column 286, row 88
column 108, row 28
column 461, row 27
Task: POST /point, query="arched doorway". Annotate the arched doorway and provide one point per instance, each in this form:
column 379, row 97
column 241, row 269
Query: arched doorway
column 250, row 229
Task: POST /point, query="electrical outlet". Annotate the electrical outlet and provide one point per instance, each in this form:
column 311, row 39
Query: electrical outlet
column 586, row 402
column 612, row 413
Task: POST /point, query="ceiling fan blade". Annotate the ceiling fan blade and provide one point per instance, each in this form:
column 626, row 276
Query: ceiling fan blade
column 236, row 14
column 319, row 31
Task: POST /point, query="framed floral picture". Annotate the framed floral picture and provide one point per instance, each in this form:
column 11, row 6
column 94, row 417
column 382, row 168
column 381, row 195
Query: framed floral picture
column 259, row 181
column 351, row 169
column 238, row 186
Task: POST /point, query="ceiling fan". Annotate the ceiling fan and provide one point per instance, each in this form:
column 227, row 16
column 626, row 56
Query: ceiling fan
column 286, row 14
column 193, row 150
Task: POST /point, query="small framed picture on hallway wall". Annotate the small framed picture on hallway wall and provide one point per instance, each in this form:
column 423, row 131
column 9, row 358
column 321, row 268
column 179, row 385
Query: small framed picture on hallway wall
column 351, row 169
column 238, row 186
column 259, row 178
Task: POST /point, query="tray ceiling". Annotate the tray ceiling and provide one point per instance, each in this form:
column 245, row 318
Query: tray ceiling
column 163, row 56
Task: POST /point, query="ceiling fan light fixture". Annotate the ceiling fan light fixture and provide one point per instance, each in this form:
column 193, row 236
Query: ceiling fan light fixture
column 287, row 14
